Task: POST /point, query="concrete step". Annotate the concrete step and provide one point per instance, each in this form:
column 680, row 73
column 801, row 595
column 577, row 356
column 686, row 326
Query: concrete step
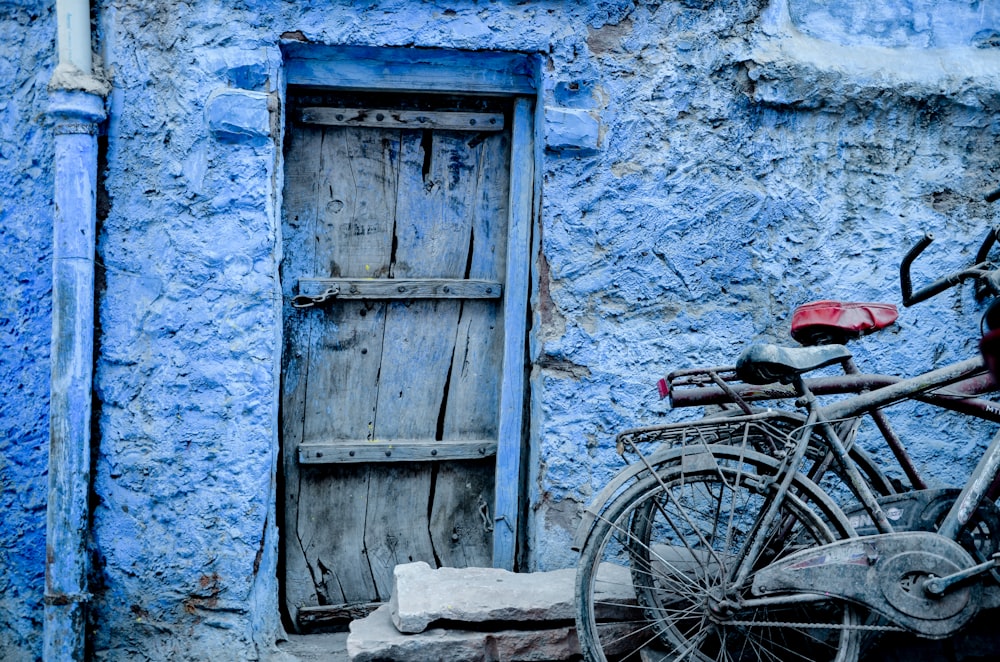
column 479, row 615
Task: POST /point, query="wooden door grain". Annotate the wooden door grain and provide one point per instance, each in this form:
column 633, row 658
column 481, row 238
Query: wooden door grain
column 390, row 374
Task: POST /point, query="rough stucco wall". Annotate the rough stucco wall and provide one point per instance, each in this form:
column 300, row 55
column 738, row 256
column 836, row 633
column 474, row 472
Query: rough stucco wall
column 26, row 62
column 737, row 179
column 698, row 182
column 186, row 375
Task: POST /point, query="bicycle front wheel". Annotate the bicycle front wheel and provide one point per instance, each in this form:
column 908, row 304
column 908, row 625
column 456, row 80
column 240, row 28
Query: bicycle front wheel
column 656, row 576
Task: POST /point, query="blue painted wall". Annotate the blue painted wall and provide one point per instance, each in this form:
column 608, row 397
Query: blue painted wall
column 25, row 320
column 705, row 167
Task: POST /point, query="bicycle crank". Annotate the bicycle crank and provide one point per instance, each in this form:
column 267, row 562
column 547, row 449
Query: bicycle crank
column 888, row 574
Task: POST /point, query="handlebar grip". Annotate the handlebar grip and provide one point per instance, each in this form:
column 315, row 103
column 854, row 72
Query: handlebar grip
column 991, row 238
column 905, row 283
column 993, row 195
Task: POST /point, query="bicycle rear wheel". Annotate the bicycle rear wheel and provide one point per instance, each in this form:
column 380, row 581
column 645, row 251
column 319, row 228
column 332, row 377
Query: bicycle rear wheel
column 655, row 580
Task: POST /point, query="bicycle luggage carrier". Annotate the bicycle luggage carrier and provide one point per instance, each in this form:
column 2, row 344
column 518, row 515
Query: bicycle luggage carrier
column 766, row 432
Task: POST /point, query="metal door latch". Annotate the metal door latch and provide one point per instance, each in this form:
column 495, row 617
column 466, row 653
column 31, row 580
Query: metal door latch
column 308, row 301
column 484, row 512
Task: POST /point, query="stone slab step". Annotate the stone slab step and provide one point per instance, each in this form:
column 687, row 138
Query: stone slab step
column 376, row 639
column 423, row 595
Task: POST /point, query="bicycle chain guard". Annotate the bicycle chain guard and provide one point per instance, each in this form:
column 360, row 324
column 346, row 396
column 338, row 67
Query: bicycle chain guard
column 884, row 573
column 923, row 510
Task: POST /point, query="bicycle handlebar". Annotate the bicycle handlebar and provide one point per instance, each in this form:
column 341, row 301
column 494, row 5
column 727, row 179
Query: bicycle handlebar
column 978, row 270
column 989, row 279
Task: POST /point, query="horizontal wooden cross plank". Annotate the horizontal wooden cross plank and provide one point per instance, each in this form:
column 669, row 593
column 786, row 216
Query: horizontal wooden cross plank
column 395, row 450
column 310, row 618
column 403, row 119
column 400, row 288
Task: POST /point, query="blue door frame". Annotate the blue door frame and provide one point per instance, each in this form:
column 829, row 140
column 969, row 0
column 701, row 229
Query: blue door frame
column 512, row 75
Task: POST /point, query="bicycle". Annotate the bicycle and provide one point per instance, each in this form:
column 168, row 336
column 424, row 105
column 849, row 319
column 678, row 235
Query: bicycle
column 711, row 549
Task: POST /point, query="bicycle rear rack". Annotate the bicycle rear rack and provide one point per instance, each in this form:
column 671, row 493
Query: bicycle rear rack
column 766, row 432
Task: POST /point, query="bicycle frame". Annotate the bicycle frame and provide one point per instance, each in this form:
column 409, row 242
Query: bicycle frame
column 819, row 416
column 780, row 558
column 958, row 397
column 905, row 388
column 718, row 386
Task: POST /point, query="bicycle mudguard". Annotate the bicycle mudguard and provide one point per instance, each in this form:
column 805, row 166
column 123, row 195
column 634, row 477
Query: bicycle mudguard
column 822, row 322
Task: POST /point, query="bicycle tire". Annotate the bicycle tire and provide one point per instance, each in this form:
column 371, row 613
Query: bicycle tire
column 678, row 591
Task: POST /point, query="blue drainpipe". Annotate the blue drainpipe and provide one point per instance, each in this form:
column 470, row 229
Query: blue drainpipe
column 76, row 109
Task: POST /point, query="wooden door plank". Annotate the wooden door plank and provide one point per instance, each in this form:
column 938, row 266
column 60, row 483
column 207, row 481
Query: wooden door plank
column 473, row 399
column 510, row 437
column 352, row 238
column 361, row 169
column 457, row 529
column 357, row 192
column 459, row 533
column 403, row 119
column 298, row 222
column 430, row 241
column 329, row 527
column 462, row 514
column 400, row 288
column 346, row 350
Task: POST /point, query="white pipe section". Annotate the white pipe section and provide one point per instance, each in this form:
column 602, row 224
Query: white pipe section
column 74, row 34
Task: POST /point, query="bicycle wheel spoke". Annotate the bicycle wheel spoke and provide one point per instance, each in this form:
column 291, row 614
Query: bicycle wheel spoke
column 647, row 567
column 642, row 628
column 765, row 647
column 673, row 541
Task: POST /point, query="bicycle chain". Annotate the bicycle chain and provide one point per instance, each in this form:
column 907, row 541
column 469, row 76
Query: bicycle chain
column 826, row 626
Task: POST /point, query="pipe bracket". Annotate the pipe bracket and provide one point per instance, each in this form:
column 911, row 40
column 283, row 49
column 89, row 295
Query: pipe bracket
column 60, row 599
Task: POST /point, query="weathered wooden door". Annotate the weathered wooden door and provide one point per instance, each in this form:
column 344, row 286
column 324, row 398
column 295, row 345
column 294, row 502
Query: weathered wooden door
column 395, row 233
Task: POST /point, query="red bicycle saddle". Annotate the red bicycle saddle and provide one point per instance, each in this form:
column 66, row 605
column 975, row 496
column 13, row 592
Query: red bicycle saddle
column 826, row 322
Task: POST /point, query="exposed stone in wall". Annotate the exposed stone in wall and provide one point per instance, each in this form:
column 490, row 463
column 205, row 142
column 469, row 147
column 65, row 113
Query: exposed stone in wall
column 25, row 320
column 899, row 23
column 798, row 60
